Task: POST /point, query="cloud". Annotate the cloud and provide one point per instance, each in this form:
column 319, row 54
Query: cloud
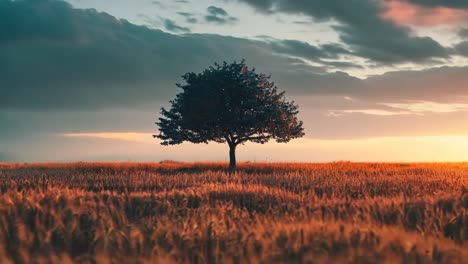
column 126, row 136
column 463, row 32
column 406, row 13
column 440, row 3
column 55, row 57
column 442, row 84
column 172, row 26
column 189, row 17
column 361, row 26
column 330, row 52
column 422, row 107
column 219, row 16
column 415, row 108
column 307, row 51
column 76, row 60
column 159, row 4
column 462, row 48
column 82, row 59
column 217, row 11
column 436, row 87
column 93, row 77
column 377, row 112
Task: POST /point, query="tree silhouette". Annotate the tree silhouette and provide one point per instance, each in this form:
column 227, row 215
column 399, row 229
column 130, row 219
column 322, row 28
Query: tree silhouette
column 232, row 104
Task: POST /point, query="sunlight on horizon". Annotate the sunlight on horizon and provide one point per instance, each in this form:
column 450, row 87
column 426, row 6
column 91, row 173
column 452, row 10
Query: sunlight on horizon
column 393, row 149
column 128, row 136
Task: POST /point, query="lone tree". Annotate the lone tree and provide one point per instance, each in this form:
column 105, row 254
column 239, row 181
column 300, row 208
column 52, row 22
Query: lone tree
column 232, row 104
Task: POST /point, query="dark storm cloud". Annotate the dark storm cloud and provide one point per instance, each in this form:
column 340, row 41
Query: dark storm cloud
column 361, row 27
column 53, row 56
column 219, row 16
column 172, row 26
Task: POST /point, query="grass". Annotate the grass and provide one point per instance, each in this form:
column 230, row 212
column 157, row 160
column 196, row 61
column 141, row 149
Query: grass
column 264, row 213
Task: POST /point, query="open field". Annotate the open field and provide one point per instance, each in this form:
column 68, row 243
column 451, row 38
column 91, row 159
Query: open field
column 263, row 213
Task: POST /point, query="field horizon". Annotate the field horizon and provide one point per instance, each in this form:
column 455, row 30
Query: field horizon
column 217, row 163
column 173, row 212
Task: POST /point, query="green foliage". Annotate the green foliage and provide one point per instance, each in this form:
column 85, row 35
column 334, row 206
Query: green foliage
column 229, row 103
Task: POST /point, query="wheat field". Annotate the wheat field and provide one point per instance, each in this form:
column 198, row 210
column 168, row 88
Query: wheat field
column 263, row 213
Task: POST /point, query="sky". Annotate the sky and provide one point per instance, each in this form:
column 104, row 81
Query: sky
column 375, row 80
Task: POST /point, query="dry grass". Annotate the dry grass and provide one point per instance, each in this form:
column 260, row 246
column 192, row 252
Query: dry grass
column 264, row 213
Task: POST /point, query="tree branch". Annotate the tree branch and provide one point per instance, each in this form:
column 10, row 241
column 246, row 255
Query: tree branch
column 228, row 140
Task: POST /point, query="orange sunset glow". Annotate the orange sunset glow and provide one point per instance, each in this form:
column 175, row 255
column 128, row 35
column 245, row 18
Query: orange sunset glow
column 405, row 13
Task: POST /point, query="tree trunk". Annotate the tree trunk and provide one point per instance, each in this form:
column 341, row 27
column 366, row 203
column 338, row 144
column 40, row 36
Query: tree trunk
column 232, row 157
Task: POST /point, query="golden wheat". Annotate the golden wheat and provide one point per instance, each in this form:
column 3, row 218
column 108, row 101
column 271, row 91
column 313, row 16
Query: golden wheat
column 263, row 213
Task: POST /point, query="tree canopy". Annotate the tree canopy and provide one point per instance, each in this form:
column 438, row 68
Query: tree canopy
column 229, row 103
